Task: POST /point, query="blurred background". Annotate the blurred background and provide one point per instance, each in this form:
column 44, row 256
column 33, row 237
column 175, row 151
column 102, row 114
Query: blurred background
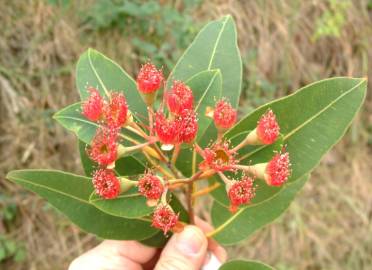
column 284, row 45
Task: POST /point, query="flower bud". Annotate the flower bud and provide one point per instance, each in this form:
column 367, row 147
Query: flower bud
column 164, row 218
column 116, row 112
column 92, row 108
column 150, row 186
column 149, row 80
column 106, row 184
column 240, row 192
column 179, row 98
column 224, row 115
column 103, row 149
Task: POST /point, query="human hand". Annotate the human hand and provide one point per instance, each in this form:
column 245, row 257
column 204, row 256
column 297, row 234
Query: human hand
column 187, row 250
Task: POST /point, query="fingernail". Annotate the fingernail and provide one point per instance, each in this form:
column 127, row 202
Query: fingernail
column 190, row 241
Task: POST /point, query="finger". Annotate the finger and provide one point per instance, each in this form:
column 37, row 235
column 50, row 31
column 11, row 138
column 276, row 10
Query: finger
column 131, row 250
column 184, row 251
column 213, row 246
column 98, row 259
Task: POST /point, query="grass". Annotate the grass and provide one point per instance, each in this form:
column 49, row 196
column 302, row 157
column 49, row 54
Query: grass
column 327, row 227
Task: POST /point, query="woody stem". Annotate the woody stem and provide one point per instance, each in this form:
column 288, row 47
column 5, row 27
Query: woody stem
column 206, row 190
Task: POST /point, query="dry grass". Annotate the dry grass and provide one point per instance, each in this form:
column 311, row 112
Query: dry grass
column 328, row 226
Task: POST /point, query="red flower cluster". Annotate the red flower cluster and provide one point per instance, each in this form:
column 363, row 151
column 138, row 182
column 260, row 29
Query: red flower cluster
column 164, row 218
column 92, row 108
column 224, row 115
column 103, row 149
column 111, row 114
column 268, row 128
column 182, row 126
column 178, row 126
column 278, row 169
column 150, row 186
column 219, row 157
column 241, row 192
column 180, row 98
column 106, row 184
column 149, row 78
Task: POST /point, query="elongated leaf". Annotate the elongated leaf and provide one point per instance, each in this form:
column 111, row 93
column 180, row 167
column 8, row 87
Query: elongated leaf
column 72, row 119
column 95, row 69
column 130, row 204
column 233, row 228
column 245, row 265
column 70, row 193
column 215, row 47
column 312, row 120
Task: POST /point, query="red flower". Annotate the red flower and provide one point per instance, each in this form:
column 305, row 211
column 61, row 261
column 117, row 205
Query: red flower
column 92, row 108
column 164, row 218
column 167, row 130
column 188, row 126
column 106, row 184
column 150, row 186
column 224, row 115
column 219, row 158
column 241, row 192
column 103, row 149
column 179, row 98
column 149, row 78
column 278, row 169
column 116, row 111
column 268, row 128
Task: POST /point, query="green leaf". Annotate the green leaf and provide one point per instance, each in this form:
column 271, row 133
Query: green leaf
column 71, row 118
column 312, row 120
column 245, row 265
column 95, row 69
column 70, row 193
column 215, row 47
column 232, row 228
column 130, row 204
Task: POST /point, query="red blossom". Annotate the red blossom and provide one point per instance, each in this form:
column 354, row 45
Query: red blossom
column 224, row 115
column 188, row 126
column 149, row 78
column 179, row 98
column 92, row 108
column 116, row 111
column 219, row 158
column 268, row 128
column 103, row 149
column 166, row 129
column 278, row 169
column 150, row 186
column 164, row 218
column 241, row 192
column 106, row 184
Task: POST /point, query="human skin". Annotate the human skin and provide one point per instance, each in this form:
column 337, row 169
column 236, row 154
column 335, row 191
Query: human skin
column 186, row 250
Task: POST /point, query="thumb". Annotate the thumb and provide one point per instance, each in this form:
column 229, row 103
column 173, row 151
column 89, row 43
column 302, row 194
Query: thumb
column 185, row 251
